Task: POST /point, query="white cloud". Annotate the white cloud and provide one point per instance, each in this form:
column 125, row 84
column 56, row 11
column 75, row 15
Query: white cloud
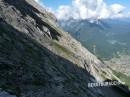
column 127, row 15
column 40, row 2
column 90, row 9
column 117, row 8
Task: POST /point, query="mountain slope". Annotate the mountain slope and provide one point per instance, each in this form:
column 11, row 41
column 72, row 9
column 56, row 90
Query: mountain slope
column 38, row 59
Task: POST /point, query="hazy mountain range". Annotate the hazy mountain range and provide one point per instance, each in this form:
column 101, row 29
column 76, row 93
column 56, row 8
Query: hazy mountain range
column 106, row 38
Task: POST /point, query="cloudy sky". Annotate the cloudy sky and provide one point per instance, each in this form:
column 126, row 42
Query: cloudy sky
column 88, row 9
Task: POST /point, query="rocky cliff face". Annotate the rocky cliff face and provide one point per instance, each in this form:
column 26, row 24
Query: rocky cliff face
column 38, row 59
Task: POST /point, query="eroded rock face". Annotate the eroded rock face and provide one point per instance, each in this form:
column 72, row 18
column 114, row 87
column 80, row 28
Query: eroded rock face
column 38, row 59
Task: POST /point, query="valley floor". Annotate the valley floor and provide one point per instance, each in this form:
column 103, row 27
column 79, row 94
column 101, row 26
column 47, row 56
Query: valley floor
column 121, row 64
column 121, row 68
